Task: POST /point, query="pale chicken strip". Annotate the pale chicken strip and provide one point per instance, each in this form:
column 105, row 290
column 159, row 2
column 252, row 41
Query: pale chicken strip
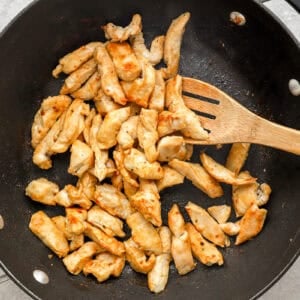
column 135, row 161
column 199, row 177
column 157, row 99
column 128, row 132
column 206, row 225
column 87, row 126
column 144, row 234
column 137, row 257
column 129, row 189
column 45, row 229
column 222, row 174
column 169, row 122
column 206, row 252
column 104, row 266
column 75, row 218
column 180, row 247
column 120, row 34
column 113, row 201
column 72, row 61
column 42, row 190
column 109, row 78
column 90, row 89
column 175, row 104
column 109, row 224
column 147, row 201
column 173, row 42
column 105, row 104
column 171, row 178
column 251, row 224
column 87, row 184
column 147, row 133
column 109, row 129
column 220, row 213
column 126, row 64
column 75, row 261
column 231, row 228
column 75, row 80
column 50, row 110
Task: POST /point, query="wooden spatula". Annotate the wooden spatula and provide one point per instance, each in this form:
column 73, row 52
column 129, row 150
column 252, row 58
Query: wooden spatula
column 229, row 122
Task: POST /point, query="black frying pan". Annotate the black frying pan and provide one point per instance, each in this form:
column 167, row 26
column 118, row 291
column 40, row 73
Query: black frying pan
column 252, row 63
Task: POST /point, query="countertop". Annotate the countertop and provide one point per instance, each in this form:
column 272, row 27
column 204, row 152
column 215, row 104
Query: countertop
column 288, row 287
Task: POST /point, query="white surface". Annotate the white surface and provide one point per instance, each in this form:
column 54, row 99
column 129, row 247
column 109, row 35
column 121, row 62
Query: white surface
column 288, row 286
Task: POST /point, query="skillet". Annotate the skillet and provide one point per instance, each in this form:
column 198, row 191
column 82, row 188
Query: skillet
column 252, row 63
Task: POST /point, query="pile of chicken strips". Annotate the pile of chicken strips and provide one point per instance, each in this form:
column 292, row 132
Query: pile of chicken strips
column 124, row 121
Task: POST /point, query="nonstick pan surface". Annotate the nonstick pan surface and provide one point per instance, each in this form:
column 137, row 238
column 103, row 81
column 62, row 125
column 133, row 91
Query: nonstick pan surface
column 252, row 63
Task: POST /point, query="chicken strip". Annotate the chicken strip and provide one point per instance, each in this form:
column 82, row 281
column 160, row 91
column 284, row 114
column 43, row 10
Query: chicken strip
column 126, row 64
column 137, row 259
column 172, row 44
column 251, row 224
column 144, row 234
column 51, row 109
column 231, row 228
column 75, row 218
column 75, row 261
column 45, row 229
column 109, row 78
column 42, row 190
column 169, row 122
column 157, row 99
column 147, row 133
column 206, row 252
column 87, row 126
column 109, row 129
column 206, row 225
column 119, row 34
column 128, row 132
column 180, row 247
column 135, row 161
column 199, row 177
column 109, row 224
column 113, row 201
column 146, row 201
column 87, row 184
column 220, row 213
column 72, row 61
column 171, row 177
column 74, row 81
column 105, row 104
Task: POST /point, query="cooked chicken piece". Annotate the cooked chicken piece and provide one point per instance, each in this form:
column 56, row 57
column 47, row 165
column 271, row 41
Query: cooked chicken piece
column 128, row 132
column 251, row 224
column 147, row 133
column 169, row 122
column 104, row 266
column 109, row 129
column 157, row 99
column 109, row 78
column 111, row 168
column 45, row 229
column 231, row 228
column 75, row 261
column 75, row 80
column 82, row 158
column 199, row 177
column 206, row 252
column 146, row 201
column 206, row 225
column 135, row 161
column 175, row 104
column 109, row 224
column 166, row 239
column 129, row 189
column 180, row 247
column 220, row 213
column 76, row 242
column 136, row 257
column 222, row 174
column 140, row 90
column 90, row 89
column 119, row 34
column 113, row 201
column 263, row 193
column 72, row 126
column 173, row 147
column 117, row 180
column 156, row 52
column 75, row 218
column 72, row 61
column 62, row 198
column 106, row 242
column 124, row 59
column 237, row 157
column 87, row 126
column 144, row 234
column 173, row 44
column 42, row 190
column 87, row 183
column 171, row 177
column 104, row 104
column 71, row 195
column 50, row 110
